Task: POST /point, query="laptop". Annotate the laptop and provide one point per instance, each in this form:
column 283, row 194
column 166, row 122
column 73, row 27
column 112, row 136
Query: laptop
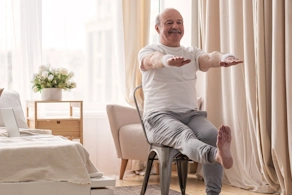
column 10, row 122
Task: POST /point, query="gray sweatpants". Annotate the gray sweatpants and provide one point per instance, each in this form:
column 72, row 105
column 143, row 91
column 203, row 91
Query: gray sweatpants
column 193, row 135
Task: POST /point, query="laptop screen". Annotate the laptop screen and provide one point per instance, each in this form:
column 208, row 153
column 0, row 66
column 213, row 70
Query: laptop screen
column 10, row 122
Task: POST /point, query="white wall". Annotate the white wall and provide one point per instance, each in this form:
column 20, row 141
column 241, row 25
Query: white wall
column 98, row 141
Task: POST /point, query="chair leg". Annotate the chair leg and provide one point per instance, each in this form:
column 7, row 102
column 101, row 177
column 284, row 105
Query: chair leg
column 165, row 168
column 182, row 170
column 123, row 167
column 147, row 172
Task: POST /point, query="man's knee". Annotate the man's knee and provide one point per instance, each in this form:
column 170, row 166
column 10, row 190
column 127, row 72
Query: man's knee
column 211, row 139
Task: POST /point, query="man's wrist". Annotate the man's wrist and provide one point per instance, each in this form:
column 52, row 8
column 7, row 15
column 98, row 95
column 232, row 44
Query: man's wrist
column 165, row 58
column 223, row 58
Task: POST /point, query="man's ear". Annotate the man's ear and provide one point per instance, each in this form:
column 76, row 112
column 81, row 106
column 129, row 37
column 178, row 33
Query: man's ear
column 157, row 28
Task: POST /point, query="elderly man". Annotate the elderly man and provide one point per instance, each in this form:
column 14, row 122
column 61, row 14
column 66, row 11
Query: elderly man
column 171, row 114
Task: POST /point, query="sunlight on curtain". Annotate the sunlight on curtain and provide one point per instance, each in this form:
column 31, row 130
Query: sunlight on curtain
column 20, row 47
column 136, row 14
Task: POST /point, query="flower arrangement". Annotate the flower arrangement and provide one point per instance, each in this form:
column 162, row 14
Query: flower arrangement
column 49, row 77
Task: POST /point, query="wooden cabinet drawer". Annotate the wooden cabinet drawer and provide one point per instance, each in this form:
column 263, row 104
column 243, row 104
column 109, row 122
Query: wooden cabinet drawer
column 61, row 127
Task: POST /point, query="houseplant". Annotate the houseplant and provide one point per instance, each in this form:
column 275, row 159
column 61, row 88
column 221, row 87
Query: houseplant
column 50, row 81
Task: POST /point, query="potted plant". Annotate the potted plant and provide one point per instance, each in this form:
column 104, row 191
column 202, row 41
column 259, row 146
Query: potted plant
column 50, row 81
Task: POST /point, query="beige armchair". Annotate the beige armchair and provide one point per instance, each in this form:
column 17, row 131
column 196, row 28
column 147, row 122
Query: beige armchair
column 128, row 135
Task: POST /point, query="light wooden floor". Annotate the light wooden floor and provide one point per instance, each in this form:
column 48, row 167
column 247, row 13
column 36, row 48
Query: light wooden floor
column 194, row 186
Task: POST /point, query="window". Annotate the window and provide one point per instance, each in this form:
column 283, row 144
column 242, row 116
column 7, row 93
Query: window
column 81, row 38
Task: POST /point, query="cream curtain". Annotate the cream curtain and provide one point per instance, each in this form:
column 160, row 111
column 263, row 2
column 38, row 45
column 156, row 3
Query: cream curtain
column 253, row 98
column 136, row 16
column 20, row 45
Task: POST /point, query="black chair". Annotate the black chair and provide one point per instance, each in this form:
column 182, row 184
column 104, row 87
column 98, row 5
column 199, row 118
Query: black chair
column 165, row 156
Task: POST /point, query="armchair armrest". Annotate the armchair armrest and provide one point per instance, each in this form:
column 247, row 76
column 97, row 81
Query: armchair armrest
column 118, row 117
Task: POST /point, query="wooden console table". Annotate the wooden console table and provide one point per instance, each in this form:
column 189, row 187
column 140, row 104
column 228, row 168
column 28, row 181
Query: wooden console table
column 68, row 126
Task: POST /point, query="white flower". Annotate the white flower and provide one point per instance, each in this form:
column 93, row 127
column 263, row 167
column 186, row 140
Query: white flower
column 53, row 71
column 45, row 74
column 50, row 77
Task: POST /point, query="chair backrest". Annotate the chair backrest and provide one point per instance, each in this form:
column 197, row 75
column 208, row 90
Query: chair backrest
column 140, row 111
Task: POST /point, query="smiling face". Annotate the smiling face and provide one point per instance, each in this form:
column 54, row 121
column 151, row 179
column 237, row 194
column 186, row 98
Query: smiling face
column 170, row 28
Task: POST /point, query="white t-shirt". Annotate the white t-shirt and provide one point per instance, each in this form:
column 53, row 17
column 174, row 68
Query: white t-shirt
column 170, row 88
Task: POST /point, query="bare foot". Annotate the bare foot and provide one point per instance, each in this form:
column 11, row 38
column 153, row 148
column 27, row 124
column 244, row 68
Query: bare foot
column 223, row 155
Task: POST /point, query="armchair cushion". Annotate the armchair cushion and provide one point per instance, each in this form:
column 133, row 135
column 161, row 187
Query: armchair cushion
column 133, row 142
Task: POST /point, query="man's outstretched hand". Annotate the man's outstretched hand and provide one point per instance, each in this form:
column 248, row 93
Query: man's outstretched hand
column 230, row 61
column 177, row 61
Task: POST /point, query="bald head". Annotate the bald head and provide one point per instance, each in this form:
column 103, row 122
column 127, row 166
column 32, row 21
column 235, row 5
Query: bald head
column 165, row 11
